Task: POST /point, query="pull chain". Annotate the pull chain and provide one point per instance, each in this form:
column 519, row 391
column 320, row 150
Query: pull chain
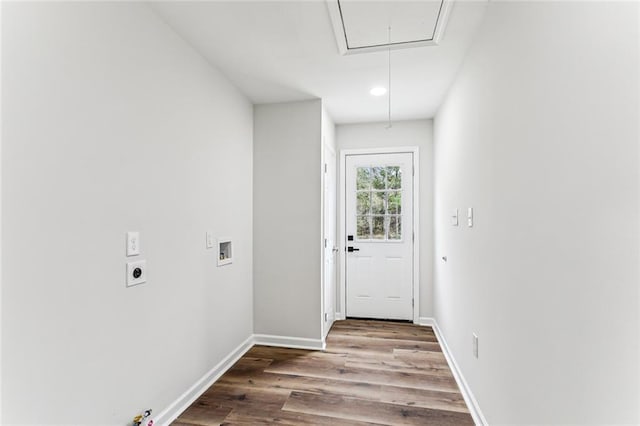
column 389, row 96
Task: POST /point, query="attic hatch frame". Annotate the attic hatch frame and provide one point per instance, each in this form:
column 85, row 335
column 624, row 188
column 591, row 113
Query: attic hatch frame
column 335, row 12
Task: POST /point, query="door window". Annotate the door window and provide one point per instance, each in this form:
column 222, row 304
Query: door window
column 379, row 203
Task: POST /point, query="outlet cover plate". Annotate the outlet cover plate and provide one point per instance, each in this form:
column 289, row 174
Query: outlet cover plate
column 475, row 345
column 136, row 273
column 133, row 243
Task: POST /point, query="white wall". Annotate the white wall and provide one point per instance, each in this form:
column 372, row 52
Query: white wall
column 403, row 134
column 287, row 219
column 111, row 123
column 539, row 134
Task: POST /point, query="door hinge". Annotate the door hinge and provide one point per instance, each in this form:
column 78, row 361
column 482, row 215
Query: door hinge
column 412, row 303
column 413, row 237
column 325, row 243
column 413, row 170
column 325, row 167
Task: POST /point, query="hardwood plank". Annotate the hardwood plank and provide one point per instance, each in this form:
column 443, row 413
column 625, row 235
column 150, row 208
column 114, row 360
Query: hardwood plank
column 359, row 342
column 372, row 326
column 362, row 410
column 370, row 323
column 365, row 375
column 238, row 398
column 249, row 365
column 281, row 417
column 274, row 352
column 414, row 360
column 415, row 336
column 397, row 367
column 201, row 413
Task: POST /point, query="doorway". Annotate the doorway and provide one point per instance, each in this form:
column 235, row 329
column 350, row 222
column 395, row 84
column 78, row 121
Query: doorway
column 378, row 224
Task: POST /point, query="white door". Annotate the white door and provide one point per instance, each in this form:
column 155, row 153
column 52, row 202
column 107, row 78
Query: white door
column 379, row 229
column 330, row 249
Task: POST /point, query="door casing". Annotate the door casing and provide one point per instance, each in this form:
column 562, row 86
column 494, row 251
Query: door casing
column 329, row 284
column 342, row 293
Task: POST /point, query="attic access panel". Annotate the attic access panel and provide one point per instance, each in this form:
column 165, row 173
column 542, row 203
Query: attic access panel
column 362, row 26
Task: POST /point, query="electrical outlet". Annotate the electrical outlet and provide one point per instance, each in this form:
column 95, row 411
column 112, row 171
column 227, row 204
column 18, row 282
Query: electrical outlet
column 470, row 217
column 475, row 345
column 133, row 243
column 136, row 273
column 209, row 239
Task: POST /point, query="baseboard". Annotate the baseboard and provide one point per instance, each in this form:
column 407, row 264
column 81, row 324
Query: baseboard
column 471, row 401
column 289, row 342
column 426, row 321
column 186, row 399
column 340, row 316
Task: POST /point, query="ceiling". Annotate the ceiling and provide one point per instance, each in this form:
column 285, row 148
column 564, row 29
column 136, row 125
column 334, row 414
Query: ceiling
column 278, row 51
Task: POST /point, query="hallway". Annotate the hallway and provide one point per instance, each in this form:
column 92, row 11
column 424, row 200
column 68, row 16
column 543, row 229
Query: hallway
column 187, row 183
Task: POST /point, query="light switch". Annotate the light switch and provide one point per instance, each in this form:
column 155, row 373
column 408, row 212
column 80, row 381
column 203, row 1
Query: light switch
column 133, row 243
column 475, row 345
column 209, row 239
column 470, row 217
column 136, row 273
column 454, row 217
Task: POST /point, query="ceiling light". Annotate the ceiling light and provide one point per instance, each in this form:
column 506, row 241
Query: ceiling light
column 378, row 91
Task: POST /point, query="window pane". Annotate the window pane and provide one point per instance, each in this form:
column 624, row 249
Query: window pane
column 364, row 227
column 378, row 177
column 394, row 204
column 395, row 229
column 394, row 177
column 377, row 202
column 363, row 180
column 364, row 203
column 378, row 228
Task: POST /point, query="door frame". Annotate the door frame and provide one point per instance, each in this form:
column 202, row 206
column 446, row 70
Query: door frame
column 342, row 193
column 332, row 315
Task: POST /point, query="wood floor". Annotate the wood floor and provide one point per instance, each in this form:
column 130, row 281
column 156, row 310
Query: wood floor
column 372, row 372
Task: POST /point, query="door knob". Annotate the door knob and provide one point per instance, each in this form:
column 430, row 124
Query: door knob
column 335, row 249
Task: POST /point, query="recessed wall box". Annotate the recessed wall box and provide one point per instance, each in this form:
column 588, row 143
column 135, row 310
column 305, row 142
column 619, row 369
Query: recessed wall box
column 225, row 251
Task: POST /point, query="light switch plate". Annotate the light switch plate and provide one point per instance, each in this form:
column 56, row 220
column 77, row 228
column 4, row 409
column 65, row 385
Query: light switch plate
column 470, row 217
column 454, row 217
column 209, row 240
column 133, row 243
column 475, row 345
column 136, row 273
